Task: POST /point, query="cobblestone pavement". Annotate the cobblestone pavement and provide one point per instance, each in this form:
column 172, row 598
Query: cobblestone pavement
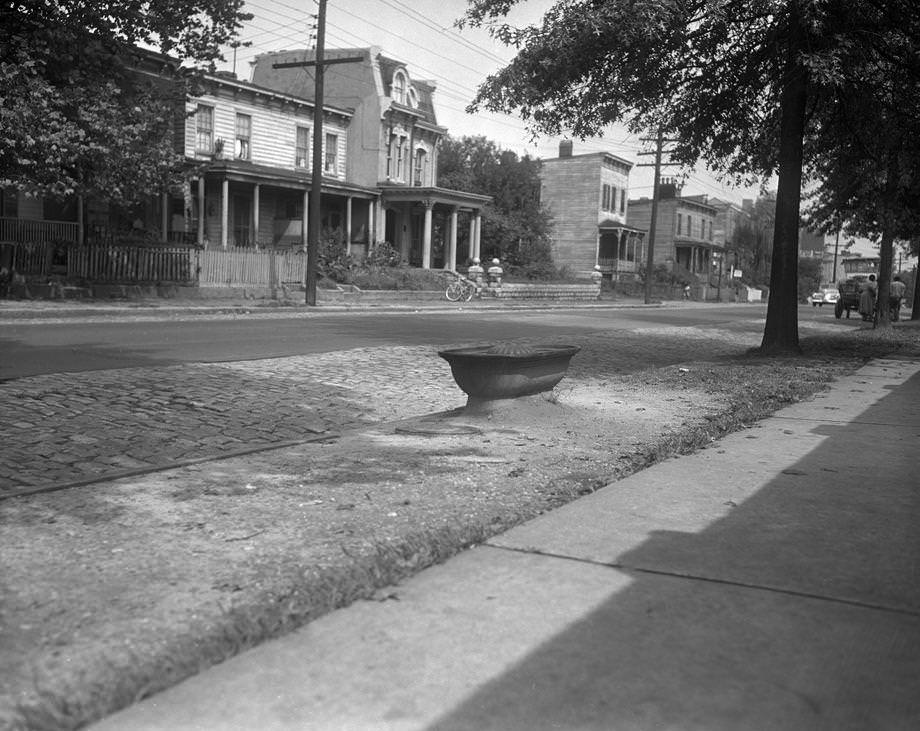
column 64, row 428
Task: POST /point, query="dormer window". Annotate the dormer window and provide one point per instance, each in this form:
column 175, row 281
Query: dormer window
column 412, row 95
column 400, row 84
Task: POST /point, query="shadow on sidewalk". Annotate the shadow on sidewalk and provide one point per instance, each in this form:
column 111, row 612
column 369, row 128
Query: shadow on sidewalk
column 798, row 610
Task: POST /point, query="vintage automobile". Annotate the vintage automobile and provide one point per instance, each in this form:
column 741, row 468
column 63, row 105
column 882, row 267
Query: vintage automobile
column 857, row 270
column 826, row 294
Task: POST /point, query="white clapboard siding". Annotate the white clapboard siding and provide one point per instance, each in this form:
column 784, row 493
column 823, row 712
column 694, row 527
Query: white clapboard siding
column 273, row 140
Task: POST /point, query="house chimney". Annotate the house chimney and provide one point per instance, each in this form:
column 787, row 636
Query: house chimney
column 667, row 188
column 565, row 148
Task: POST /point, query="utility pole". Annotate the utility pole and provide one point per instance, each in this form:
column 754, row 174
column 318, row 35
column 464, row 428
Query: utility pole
column 659, row 141
column 316, row 185
column 836, row 247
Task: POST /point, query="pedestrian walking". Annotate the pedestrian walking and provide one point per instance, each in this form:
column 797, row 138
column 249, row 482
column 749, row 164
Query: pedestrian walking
column 867, row 293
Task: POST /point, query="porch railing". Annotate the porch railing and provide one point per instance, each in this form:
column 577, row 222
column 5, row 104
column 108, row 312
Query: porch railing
column 24, row 230
column 617, row 265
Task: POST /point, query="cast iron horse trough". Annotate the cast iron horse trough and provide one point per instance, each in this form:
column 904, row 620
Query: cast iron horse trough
column 491, row 373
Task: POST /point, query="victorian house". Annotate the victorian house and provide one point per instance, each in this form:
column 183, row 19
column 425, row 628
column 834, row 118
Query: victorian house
column 391, row 149
column 684, row 229
column 248, row 149
column 587, row 198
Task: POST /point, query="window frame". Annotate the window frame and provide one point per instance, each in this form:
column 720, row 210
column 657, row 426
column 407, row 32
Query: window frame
column 302, row 131
column 200, row 129
column 419, row 161
column 331, row 153
column 242, row 147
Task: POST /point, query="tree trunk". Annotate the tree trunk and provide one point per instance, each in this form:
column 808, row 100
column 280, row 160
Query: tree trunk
column 915, row 304
column 781, row 332
column 886, row 249
column 885, row 265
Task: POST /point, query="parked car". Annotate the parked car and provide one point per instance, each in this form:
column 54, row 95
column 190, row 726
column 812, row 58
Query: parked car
column 826, row 294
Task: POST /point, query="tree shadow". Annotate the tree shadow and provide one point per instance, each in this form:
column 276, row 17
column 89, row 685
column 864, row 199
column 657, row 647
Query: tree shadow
column 800, row 608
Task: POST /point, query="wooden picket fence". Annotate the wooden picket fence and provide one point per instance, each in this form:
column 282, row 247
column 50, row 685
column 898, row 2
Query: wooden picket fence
column 241, row 267
column 133, row 264
column 234, row 267
column 122, row 264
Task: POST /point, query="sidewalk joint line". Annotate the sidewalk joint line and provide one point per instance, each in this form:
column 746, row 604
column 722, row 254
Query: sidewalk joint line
column 708, row 579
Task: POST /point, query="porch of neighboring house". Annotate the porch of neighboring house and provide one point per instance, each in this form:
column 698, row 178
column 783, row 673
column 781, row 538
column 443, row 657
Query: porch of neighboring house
column 620, row 250
column 232, row 207
column 433, row 228
column 696, row 258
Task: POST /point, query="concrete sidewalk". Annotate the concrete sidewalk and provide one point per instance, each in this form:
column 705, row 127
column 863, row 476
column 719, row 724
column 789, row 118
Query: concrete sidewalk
column 769, row 582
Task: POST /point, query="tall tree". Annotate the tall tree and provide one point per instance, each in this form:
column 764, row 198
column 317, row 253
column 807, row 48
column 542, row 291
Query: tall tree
column 75, row 120
column 515, row 225
column 870, row 172
column 734, row 82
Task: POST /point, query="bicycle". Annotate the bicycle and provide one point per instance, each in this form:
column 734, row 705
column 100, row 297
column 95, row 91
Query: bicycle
column 460, row 289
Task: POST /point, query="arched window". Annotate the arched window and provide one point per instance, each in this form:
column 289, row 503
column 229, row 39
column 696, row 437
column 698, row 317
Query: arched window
column 413, row 97
column 399, row 87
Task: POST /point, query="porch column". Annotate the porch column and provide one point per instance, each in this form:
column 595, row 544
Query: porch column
column 371, row 228
column 451, row 262
column 382, row 222
column 471, row 245
column 348, row 225
column 255, row 214
column 164, row 218
column 224, row 211
column 201, row 211
column 478, row 238
column 426, row 236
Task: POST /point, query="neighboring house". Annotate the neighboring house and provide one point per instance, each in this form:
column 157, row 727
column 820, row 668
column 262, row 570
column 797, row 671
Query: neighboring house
column 249, row 147
column 249, row 152
column 393, row 138
column 255, row 148
column 586, row 196
column 684, row 229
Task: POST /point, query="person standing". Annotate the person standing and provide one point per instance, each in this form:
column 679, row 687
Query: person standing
column 896, row 293
column 867, row 294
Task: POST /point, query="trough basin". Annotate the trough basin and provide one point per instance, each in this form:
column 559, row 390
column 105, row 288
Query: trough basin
column 508, row 371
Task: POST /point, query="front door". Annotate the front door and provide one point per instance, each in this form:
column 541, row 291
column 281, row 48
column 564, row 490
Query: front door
column 242, row 221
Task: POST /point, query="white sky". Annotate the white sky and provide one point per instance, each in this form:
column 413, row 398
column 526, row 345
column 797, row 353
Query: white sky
column 421, row 34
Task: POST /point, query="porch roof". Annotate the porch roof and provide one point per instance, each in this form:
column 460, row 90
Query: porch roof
column 247, row 172
column 418, row 194
column 713, row 245
column 612, row 225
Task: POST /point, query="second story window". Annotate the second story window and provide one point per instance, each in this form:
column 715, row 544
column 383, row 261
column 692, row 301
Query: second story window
column 243, row 136
column 400, row 149
column 331, row 160
column 419, row 175
column 302, row 148
column 689, row 225
column 680, row 223
column 204, row 128
column 623, row 201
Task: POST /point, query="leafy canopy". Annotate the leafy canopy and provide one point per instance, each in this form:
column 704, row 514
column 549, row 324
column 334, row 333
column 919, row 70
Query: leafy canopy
column 74, row 118
column 515, row 225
